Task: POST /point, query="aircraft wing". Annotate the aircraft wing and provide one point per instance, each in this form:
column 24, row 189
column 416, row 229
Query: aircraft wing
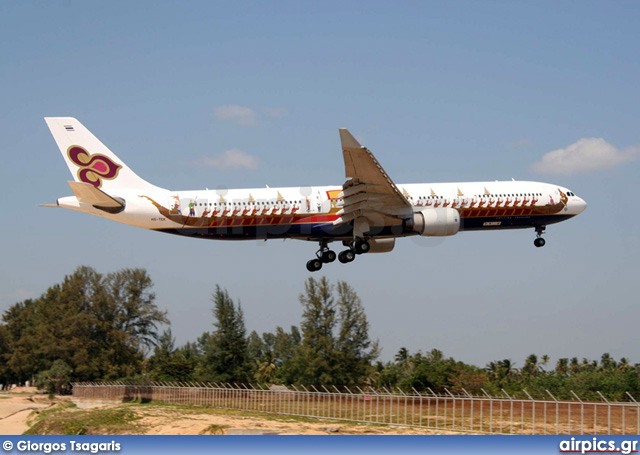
column 370, row 196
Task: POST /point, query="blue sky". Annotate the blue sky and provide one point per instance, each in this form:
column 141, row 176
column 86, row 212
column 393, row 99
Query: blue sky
column 439, row 91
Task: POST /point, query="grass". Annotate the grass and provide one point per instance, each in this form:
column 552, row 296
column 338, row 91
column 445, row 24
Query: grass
column 214, row 429
column 66, row 419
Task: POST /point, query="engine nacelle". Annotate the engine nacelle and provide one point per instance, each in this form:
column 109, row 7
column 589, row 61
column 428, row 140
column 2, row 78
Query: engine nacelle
column 436, row 222
column 381, row 245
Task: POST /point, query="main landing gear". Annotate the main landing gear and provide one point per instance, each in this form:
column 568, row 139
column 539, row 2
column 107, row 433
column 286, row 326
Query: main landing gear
column 324, row 255
column 539, row 241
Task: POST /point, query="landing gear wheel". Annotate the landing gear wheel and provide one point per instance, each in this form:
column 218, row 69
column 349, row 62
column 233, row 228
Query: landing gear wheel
column 328, row 256
column 362, row 246
column 314, row 265
column 539, row 241
column 346, row 256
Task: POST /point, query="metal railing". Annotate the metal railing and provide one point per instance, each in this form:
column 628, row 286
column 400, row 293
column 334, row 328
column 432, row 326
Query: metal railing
column 448, row 413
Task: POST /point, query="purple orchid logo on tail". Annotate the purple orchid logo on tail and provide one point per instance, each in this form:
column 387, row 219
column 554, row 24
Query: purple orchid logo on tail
column 92, row 168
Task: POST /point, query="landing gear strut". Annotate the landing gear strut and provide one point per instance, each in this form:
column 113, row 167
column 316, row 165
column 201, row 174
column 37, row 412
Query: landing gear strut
column 323, row 256
column 539, row 241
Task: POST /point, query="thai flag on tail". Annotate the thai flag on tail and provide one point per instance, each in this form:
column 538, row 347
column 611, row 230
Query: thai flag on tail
column 69, row 128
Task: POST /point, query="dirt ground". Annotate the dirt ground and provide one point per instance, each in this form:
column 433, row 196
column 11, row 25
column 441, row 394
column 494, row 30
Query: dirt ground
column 16, row 409
column 165, row 423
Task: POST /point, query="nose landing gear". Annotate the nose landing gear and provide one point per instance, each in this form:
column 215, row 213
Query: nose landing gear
column 539, row 241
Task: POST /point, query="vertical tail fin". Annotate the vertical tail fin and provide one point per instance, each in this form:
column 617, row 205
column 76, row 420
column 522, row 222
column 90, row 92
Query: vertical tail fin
column 89, row 160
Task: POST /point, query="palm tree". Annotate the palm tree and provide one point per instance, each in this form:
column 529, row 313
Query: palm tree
column 493, row 369
column 500, row 370
column 606, row 362
column 530, row 367
column 562, row 366
column 402, row 356
column 266, row 368
column 544, row 360
column 506, row 368
column 624, row 364
column 574, row 365
column 435, row 355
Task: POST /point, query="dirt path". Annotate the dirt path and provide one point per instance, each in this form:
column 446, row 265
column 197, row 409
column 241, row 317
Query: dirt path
column 15, row 409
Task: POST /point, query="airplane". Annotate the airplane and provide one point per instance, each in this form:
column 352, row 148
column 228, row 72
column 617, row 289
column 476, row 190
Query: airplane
column 366, row 214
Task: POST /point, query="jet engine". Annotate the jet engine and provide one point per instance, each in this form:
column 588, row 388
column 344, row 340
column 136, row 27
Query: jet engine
column 435, row 221
column 381, row 245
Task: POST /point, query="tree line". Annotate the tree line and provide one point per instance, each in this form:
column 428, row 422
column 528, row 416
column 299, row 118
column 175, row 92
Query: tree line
column 332, row 345
column 105, row 327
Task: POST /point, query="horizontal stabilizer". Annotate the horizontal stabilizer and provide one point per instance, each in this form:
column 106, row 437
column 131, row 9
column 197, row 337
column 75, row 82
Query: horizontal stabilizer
column 89, row 194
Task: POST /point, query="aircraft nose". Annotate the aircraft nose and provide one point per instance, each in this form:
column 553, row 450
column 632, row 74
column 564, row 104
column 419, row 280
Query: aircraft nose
column 579, row 205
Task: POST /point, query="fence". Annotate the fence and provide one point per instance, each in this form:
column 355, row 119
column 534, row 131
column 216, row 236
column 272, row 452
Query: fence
column 446, row 413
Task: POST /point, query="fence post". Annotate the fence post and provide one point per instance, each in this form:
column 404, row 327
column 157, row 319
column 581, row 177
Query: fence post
column 453, row 426
column 377, row 405
column 306, row 398
column 637, row 413
column 608, row 412
column 581, row 411
column 295, row 407
column 329, row 396
column 351, row 398
column 230, row 395
column 317, row 399
column 405, row 405
column 364, row 403
column 419, row 405
column 337, row 410
column 251, row 394
column 472, row 400
column 490, row 412
column 557, row 411
column 533, row 412
column 384, row 404
column 391, row 403
column 244, row 404
column 511, row 410
column 437, row 406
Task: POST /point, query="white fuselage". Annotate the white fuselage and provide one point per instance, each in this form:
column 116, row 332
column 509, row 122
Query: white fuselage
column 285, row 207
